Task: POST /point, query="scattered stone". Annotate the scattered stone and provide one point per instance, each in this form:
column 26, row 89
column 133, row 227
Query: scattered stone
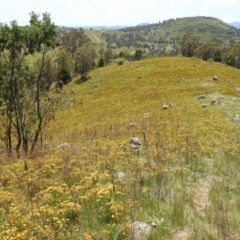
column 133, row 146
column 132, row 125
column 97, row 85
column 214, row 102
column 146, row 115
column 238, row 89
column 140, row 230
column 216, row 78
column 201, row 97
column 204, row 105
column 62, row 146
column 181, row 80
column 171, row 104
column 236, row 118
column 121, row 175
column 135, row 143
column 165, row 106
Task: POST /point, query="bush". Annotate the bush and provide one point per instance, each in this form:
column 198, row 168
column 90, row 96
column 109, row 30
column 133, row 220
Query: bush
column 64, row 74
column 217, row 57
column 101, row 62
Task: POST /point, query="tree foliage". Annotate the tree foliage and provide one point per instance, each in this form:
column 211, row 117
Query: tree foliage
column 233, row 55
column 83, row 59
column 107, row 55
column 138, row 54
column 73, row 40
column 206, row 50
column 188, row 44
column 63, row 59
column 101, row 62
column 218, row 56
column 22, row 87
column 64, row 74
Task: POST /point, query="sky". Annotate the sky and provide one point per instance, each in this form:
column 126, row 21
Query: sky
column 117, row 12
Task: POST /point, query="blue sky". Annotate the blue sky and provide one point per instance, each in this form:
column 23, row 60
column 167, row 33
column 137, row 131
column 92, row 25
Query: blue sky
column 117, row 12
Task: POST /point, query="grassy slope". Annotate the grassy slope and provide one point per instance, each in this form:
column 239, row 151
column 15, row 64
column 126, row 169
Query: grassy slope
column 185, row 178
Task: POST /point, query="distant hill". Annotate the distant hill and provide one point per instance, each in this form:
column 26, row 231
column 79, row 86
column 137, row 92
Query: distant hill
column 142, row 24
column 101, row 27
column 235, row 24
column 164, row 36
column 160, row 38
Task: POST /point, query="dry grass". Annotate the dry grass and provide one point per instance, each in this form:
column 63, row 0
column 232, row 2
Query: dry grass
column 74, row 193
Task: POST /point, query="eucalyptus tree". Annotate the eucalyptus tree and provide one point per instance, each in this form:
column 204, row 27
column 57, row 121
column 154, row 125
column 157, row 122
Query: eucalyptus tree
column 74, row 39
column 83, row 59
column 233, row 55
column 21, row 87
column 206, row 50
column 188, row 44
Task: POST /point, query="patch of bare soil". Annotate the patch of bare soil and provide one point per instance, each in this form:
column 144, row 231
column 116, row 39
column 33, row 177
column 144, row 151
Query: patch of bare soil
column 201, row 200
column 181, row 235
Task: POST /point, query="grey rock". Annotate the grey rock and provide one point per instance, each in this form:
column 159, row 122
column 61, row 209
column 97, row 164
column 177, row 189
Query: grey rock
column 201, row 97
column 236, row 118
column 136, row 141
column 204, row 105
column 121, row 175
column 216, row 78
column 133, row 146
column 214, row 102
column 140, row 230
column 132, row 125
column 238, row 89
column 62, row 146
column 165, row 106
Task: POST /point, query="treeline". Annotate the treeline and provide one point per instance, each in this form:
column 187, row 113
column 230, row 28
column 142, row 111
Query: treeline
column 190, row 46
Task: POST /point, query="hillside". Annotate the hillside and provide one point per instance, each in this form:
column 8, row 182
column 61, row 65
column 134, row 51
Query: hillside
column 163, row 37
column 128, row 158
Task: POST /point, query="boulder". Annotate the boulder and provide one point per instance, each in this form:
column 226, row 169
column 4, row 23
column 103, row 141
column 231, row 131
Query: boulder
column 132, row 125
column 140, row 230
column 214, row 102
column 121, row 175
column 204, row 105
column 135, row 143
column 236, row 118
column 201, row 97
column 62, row 146
column 165, row 106
column 216, row 78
